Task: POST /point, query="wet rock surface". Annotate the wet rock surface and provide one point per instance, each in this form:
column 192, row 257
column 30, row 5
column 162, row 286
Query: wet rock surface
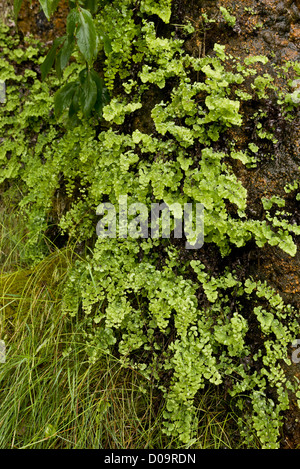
column 32, row 20
column 270, row 28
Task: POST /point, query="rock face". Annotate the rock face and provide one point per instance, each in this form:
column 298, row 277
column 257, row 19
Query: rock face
column 262, row 27
column 32, row 20
column 270, row 28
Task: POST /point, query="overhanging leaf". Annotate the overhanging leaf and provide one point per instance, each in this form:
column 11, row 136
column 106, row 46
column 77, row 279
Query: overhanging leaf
column 49, row 60
column 86, row 35
column 105, row 40
column 91, row 5
column 88, row 95
column 72, row 21
column 107, row 45
column 103, row 97
column 63, row 97
column 17, row 8
column 75, row 105
column 64, row 55
column 49, row 7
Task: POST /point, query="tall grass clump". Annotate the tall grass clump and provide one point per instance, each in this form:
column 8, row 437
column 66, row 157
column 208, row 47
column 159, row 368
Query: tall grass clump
column 51, row 396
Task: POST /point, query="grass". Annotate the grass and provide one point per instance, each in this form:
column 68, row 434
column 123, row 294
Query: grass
column 6, row 10
column 51, row 396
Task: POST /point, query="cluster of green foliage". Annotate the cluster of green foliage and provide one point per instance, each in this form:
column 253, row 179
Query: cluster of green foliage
column 146, row 301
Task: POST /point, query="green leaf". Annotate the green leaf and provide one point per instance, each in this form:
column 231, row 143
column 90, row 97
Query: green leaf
column 105, row 40
column 50, row 431
column 17, row 8
column 86, row 35
column 72, row 22
column 63, row 97
column 65, row 53
column 88, row 95
column 49, row 60
column 75, row 106
column 230, row 19
column 107, row 45
column 103, row 97
column 49, row 7
column 58, row 66
column 160, row 8
column 91, row 5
